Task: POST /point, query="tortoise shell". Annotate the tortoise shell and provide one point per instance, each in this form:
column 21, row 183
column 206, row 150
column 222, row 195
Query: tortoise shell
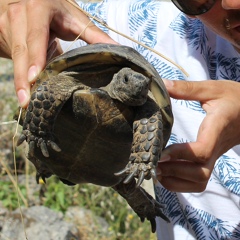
column 79, row 132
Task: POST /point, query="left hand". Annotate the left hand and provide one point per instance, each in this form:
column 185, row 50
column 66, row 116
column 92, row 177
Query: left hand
column 28, row 30
column 187, row 167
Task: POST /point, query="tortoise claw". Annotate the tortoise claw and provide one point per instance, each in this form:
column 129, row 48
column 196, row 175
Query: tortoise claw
column 38, row 176
column 44, row 150
column 41, row 142
column 31, row 148
column 44, row 180
column 122, row 172
column 141, row 171
column 21, row 139
column 153, row 224
column 154, row 175
column 164, row 217
column 140, row 179
column 54, row 146
column 129, row 178
column 159, row 205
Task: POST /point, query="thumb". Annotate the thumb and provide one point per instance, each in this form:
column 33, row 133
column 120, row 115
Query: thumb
column 192, row 151
column 210, row 143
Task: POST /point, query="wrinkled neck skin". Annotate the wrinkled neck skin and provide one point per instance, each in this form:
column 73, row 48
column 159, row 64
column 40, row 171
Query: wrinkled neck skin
column 124, row 98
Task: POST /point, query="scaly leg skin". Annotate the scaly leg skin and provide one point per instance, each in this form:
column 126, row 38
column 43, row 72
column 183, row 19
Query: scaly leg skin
column 146, row 149
column 141, row 202
column 45, row 104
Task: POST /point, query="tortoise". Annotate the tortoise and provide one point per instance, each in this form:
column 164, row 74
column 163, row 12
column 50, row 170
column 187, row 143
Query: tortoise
column 100, row 114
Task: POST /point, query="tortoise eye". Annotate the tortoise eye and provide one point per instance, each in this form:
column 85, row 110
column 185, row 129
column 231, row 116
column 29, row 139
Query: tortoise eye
column 125, row 79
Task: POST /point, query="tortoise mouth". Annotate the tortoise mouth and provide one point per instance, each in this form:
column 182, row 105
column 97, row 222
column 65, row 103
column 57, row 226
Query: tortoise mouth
column 134, row 100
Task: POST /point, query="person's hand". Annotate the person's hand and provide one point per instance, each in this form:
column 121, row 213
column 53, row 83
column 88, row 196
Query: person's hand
column 187, row 167
column 28, row 29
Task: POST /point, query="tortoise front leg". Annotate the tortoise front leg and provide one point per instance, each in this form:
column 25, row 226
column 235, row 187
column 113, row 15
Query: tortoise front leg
column 44, row 106
column 146, row 149
column 141, row 202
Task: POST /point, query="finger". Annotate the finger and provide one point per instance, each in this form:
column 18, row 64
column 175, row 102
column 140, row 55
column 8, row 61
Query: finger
column 92, row 34
column 66, row 23
column 198, row 152
column 37, row 37
column 192, row 90
column 5, row 37
column 73, row 23
column 186, row 170
column 179, row 185
column 183, row 176
column 17, row 17
column 188, row 151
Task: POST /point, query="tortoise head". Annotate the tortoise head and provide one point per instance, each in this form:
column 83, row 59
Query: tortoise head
column 129, row 87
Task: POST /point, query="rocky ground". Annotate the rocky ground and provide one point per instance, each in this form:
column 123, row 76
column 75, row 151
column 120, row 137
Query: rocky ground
column 39, row 222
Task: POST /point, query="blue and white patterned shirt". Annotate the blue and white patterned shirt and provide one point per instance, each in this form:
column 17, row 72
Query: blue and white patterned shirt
column 215, row 213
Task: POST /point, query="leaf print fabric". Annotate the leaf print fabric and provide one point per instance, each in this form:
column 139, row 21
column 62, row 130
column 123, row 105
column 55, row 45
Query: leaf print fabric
column 215, row 213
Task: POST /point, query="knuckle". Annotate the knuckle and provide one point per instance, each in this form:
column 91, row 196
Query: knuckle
column 183, row 86
column 39, row 5
column 188, row 87
column 31, row 4
column 16, row 8
column 202, row 158
column 204, row 155
column 18, row 50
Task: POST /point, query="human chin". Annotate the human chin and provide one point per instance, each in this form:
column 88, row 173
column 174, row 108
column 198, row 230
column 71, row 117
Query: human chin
column 233, row 32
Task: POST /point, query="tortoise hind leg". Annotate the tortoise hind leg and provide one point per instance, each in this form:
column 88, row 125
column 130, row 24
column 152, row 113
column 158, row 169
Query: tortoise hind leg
column 141, row 202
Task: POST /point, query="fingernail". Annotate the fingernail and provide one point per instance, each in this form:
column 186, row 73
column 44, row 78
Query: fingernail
column 165, row 157
column 22, row 97
column 32, row 73
column 168, row 83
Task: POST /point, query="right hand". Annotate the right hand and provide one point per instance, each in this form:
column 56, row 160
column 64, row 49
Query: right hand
column 28, row 30
column 187, row 167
